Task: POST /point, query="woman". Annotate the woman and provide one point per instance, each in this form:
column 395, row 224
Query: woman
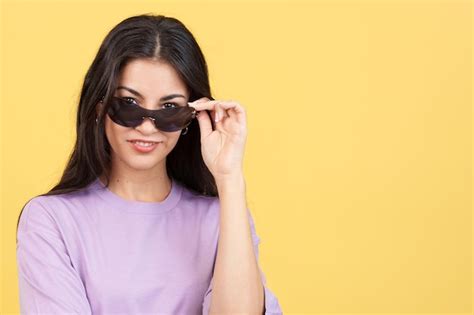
column 150, row 215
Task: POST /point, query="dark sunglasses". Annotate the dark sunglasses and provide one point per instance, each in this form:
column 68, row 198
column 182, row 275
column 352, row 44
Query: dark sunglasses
column 170, row 119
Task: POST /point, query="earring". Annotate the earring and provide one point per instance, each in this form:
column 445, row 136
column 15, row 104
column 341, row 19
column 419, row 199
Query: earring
column 185, row 131
column 97, row 120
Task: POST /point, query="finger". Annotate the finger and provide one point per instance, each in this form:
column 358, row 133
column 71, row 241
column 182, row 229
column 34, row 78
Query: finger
column 217, row 114
column 213, row 115
column 194, row 104
column 204, row 104
column 200, row 100
column 222, row 115
column 233, row 104
column 205, row 124
column 231, row 112
column 197, row 105
column 236, row 108
column 221, row 112
column 210, row 105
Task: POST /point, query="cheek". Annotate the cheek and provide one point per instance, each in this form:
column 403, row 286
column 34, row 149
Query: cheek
column 115, row 134
column 172, row 138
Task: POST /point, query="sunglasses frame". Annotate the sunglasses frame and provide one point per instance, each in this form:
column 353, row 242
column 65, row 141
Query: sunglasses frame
column 156, row 115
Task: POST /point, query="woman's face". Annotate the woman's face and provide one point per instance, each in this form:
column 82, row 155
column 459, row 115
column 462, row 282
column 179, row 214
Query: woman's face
column 153, row 80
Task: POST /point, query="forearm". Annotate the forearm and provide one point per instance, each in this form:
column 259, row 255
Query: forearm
column 237, row 287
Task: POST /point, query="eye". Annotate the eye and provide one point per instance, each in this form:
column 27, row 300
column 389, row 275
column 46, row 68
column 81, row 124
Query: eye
column 174, row 104
column 128, row 98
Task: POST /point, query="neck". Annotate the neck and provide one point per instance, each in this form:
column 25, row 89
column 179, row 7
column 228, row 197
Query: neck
column 146, row 187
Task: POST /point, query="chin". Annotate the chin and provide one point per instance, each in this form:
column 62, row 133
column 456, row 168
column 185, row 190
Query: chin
column 143, row 162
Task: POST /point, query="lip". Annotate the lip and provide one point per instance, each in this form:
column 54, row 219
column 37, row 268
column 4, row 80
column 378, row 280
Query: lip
column 142, row 140
column 141, row 149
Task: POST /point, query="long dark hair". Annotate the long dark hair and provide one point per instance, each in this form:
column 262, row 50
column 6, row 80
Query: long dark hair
column 140, row 36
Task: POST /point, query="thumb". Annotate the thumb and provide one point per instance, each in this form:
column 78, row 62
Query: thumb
column 204, row 123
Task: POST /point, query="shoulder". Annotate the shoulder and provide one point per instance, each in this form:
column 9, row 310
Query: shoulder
column 196, row 202
column 48, row 210
column 208, row 208
column 190, row 197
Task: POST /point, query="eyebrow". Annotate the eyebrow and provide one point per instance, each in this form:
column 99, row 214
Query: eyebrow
column 164, row 98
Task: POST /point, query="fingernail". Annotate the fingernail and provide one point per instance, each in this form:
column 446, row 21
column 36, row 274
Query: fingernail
column 216, row 117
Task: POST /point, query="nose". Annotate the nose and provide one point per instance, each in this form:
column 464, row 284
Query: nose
column 147, row 125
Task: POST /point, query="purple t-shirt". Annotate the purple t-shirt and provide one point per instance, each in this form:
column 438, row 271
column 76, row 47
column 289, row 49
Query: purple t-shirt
column 93, row 252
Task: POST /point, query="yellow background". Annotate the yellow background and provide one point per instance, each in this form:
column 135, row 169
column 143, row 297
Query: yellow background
column 358, row 160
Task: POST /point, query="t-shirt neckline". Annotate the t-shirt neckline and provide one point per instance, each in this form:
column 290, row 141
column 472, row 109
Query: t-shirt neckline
column 140, row 207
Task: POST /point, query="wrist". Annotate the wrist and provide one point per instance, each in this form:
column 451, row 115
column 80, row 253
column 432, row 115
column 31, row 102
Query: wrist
column 234, row 178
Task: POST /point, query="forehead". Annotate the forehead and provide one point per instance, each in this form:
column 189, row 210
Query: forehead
column 151, row 78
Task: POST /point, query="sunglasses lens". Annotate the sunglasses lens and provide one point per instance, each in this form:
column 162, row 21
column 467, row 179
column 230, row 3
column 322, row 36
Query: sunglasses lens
column 174, row 119
column 123, row 113
column 168, row 119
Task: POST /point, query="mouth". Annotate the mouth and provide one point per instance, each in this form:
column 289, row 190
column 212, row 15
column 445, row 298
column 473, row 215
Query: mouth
column 144, row 146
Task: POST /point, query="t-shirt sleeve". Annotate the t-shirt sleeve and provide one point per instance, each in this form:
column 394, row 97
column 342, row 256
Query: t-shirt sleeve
column 272, row 306
column 48, row 282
